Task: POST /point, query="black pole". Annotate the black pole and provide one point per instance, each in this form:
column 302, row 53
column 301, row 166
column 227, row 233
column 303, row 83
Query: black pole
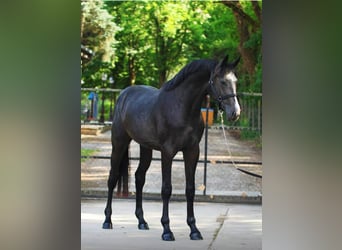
column 92, row 109
column 206, row 145
column 102, row 108
column 111, row 108
column 111, row 81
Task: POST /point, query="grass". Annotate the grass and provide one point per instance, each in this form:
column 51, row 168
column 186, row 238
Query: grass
column 250, row 135
column 86, row 152
column 245, row 134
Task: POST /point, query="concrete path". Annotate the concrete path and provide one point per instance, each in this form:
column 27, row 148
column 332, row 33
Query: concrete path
column 223, row 226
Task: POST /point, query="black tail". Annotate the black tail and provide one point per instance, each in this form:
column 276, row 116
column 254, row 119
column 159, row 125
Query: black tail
column 122, row 187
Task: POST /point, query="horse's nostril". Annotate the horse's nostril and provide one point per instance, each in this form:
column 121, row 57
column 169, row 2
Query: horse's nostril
column 235, row 116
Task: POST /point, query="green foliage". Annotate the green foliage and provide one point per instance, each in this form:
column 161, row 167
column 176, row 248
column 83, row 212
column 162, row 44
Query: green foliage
column 251, row 135
column 150, row 41
column 247, row 134
column 219, row 35
column 98, row 34
column 257, row 86
column 98, row 29
column 254, row 40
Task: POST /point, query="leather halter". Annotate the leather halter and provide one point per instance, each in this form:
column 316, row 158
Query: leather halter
column 217, row 97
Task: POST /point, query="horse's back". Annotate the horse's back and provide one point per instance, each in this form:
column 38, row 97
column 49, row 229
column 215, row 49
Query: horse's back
column 134, row 113
column 137, row 99
column 131, row 90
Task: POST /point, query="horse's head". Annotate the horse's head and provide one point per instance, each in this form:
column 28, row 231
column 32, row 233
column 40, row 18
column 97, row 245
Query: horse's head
column 222, row 85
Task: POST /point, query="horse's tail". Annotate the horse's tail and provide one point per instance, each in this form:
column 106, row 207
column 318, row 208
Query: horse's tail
column 122, row 189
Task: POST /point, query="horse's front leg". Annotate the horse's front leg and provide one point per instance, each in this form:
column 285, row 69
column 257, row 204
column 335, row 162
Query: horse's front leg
column 166, row 194
column 145, row 161
column 190, row 159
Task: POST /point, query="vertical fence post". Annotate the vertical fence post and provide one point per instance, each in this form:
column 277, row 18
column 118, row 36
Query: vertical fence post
column 206, row 144
column 253, row 112
column 102, row 108
column 91, row 116
column 104, row 79
column 259, row 116
column 111, row 81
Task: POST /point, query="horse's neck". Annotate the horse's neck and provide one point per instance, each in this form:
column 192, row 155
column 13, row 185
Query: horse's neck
column 192, row 91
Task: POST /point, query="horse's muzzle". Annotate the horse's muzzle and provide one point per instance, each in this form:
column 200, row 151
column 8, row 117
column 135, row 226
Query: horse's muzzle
column 234, row 116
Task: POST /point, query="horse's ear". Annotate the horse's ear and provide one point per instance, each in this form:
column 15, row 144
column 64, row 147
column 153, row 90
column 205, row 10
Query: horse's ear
column 224, row 61
column 235, row 63
column 222, row 64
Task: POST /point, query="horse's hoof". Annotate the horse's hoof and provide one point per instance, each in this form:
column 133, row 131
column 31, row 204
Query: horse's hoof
column 107, row 225
column 196, row 236
column 143, row 226
column 168, row 236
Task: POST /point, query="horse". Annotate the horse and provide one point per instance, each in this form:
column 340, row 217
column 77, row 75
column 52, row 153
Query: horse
column 169, row 120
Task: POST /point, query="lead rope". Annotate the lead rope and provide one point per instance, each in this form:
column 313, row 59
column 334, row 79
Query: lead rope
column 229, row 151
column 225, row 139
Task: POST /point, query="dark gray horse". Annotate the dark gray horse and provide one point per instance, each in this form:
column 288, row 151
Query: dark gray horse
column 169, row 120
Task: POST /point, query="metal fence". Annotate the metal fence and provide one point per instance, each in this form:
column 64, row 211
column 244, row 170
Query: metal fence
column 251, row 112
column 97, row 106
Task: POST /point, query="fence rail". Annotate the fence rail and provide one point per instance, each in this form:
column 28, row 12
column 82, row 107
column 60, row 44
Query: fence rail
column 98, row 107
column 179, row 160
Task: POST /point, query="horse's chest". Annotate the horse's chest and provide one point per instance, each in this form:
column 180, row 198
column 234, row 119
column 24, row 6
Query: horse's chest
column 177, row 134
column 184, row 136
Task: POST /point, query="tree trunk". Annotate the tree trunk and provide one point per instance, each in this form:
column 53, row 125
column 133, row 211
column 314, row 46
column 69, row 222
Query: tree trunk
column 247, row 54
column 244, row 24
column 257, row 10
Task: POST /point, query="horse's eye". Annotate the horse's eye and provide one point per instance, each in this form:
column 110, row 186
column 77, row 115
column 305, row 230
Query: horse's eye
column 223, row 83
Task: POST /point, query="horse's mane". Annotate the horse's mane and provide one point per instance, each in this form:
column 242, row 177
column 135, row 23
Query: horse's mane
column 190, row 68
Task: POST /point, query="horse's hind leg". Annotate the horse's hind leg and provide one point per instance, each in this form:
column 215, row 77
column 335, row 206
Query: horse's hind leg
column 144, row 164
column 190, row 159
column 166, row 194
column 118, row 151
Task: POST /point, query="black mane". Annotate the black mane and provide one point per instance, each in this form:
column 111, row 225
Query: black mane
column 190, row 68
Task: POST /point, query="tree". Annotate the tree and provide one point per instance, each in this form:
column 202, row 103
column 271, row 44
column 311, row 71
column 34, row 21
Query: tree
column 97, row 34
column 219, row 36
column 248, row 20
column 156, row 37
column 174, row 24
column 135, row 46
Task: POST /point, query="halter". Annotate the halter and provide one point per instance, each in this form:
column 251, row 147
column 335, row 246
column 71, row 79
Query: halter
column 217, row 97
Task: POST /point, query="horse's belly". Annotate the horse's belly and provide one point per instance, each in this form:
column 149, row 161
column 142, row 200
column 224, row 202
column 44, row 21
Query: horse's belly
column 175, row 141
column 145, row 137
column 151, row 145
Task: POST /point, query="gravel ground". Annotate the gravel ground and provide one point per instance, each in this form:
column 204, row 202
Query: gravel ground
column 222, row 178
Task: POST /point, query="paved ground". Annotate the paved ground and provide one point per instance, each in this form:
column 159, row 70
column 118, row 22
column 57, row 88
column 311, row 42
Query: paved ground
column 223, row 226
column 223, row 180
